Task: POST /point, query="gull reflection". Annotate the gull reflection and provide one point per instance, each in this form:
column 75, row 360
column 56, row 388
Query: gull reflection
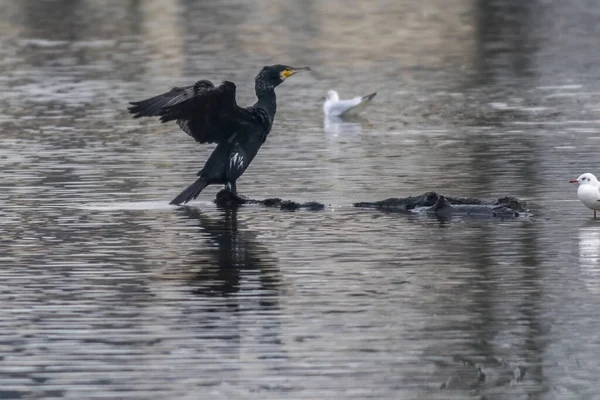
column 338, row 126
column 589, row 256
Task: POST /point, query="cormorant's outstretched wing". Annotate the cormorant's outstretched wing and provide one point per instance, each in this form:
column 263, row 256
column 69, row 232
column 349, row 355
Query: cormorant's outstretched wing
column 207, row 113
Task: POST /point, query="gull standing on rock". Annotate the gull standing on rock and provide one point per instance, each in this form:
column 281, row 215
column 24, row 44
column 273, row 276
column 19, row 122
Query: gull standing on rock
column 588, row 191
column 334, row 107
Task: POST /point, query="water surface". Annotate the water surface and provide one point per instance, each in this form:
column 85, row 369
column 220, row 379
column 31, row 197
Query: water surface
column 109, row 292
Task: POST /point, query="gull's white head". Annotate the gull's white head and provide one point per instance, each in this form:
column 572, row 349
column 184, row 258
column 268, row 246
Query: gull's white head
column 586, row 179
column 332, row 95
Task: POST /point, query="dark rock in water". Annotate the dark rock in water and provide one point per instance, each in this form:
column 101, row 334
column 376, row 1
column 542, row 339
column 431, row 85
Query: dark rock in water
column 432, row 202
column 227, row 199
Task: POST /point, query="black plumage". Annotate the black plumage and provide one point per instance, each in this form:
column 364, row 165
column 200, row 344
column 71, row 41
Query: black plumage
column 210, row 114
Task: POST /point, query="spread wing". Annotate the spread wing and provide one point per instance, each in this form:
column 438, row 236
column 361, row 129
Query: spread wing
column 207, row 113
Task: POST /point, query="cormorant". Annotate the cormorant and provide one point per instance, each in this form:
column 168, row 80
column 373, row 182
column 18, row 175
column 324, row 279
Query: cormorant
column 210, row 114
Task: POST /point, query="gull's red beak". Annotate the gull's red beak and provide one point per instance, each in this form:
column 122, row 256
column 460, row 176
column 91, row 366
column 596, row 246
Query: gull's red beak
column 573, row 181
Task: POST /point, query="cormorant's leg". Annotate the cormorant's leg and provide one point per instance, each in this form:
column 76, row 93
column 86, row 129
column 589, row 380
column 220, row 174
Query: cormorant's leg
column 594, row 214
column 228, row 195
column 235, row 193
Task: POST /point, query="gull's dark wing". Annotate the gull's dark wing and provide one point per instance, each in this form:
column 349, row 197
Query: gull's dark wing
column 207, row 113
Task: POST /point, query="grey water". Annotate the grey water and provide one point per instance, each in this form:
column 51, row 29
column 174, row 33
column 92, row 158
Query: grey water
column 106, row 291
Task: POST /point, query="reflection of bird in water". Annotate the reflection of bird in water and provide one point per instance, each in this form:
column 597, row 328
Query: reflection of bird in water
column 237, row 255
column 589, row 256
column 588, row 191
column 337, row 126
column 237, row 283
column 210, row 114
column 334, row 107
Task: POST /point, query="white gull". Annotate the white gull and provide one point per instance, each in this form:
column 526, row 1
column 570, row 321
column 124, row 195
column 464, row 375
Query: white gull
column 334, row 107
column 588, row 191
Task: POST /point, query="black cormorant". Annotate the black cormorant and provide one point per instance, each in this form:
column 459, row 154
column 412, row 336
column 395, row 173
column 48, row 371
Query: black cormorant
column 210, row 114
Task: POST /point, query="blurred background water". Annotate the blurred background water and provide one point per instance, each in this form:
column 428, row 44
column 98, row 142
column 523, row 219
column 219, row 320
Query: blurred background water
column 109, row 292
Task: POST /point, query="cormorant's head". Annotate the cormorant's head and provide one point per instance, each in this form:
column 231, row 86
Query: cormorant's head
column 271, row 76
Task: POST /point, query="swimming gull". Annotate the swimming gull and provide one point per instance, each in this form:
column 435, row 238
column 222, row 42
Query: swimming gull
column 334, row 107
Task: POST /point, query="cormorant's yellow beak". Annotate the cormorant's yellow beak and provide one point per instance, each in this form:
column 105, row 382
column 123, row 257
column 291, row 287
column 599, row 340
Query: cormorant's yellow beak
column 286, row 73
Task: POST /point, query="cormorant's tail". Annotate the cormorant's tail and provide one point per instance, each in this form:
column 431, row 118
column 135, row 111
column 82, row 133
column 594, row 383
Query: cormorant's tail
column 191, row 192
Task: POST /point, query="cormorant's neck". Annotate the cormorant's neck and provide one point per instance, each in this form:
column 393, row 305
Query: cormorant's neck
column 267, row 100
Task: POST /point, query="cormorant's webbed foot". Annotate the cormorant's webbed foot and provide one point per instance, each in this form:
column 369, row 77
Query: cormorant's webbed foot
column 227, row 197
column 239, row 197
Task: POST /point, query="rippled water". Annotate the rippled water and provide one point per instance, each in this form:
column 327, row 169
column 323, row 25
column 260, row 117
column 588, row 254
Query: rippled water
column 109, row 292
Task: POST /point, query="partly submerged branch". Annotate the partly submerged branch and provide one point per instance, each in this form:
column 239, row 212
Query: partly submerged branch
column 227, row 199
column 430, row 202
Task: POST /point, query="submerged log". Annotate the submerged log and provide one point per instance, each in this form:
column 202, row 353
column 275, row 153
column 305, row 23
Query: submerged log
column 227, row 199
column 432, row 202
